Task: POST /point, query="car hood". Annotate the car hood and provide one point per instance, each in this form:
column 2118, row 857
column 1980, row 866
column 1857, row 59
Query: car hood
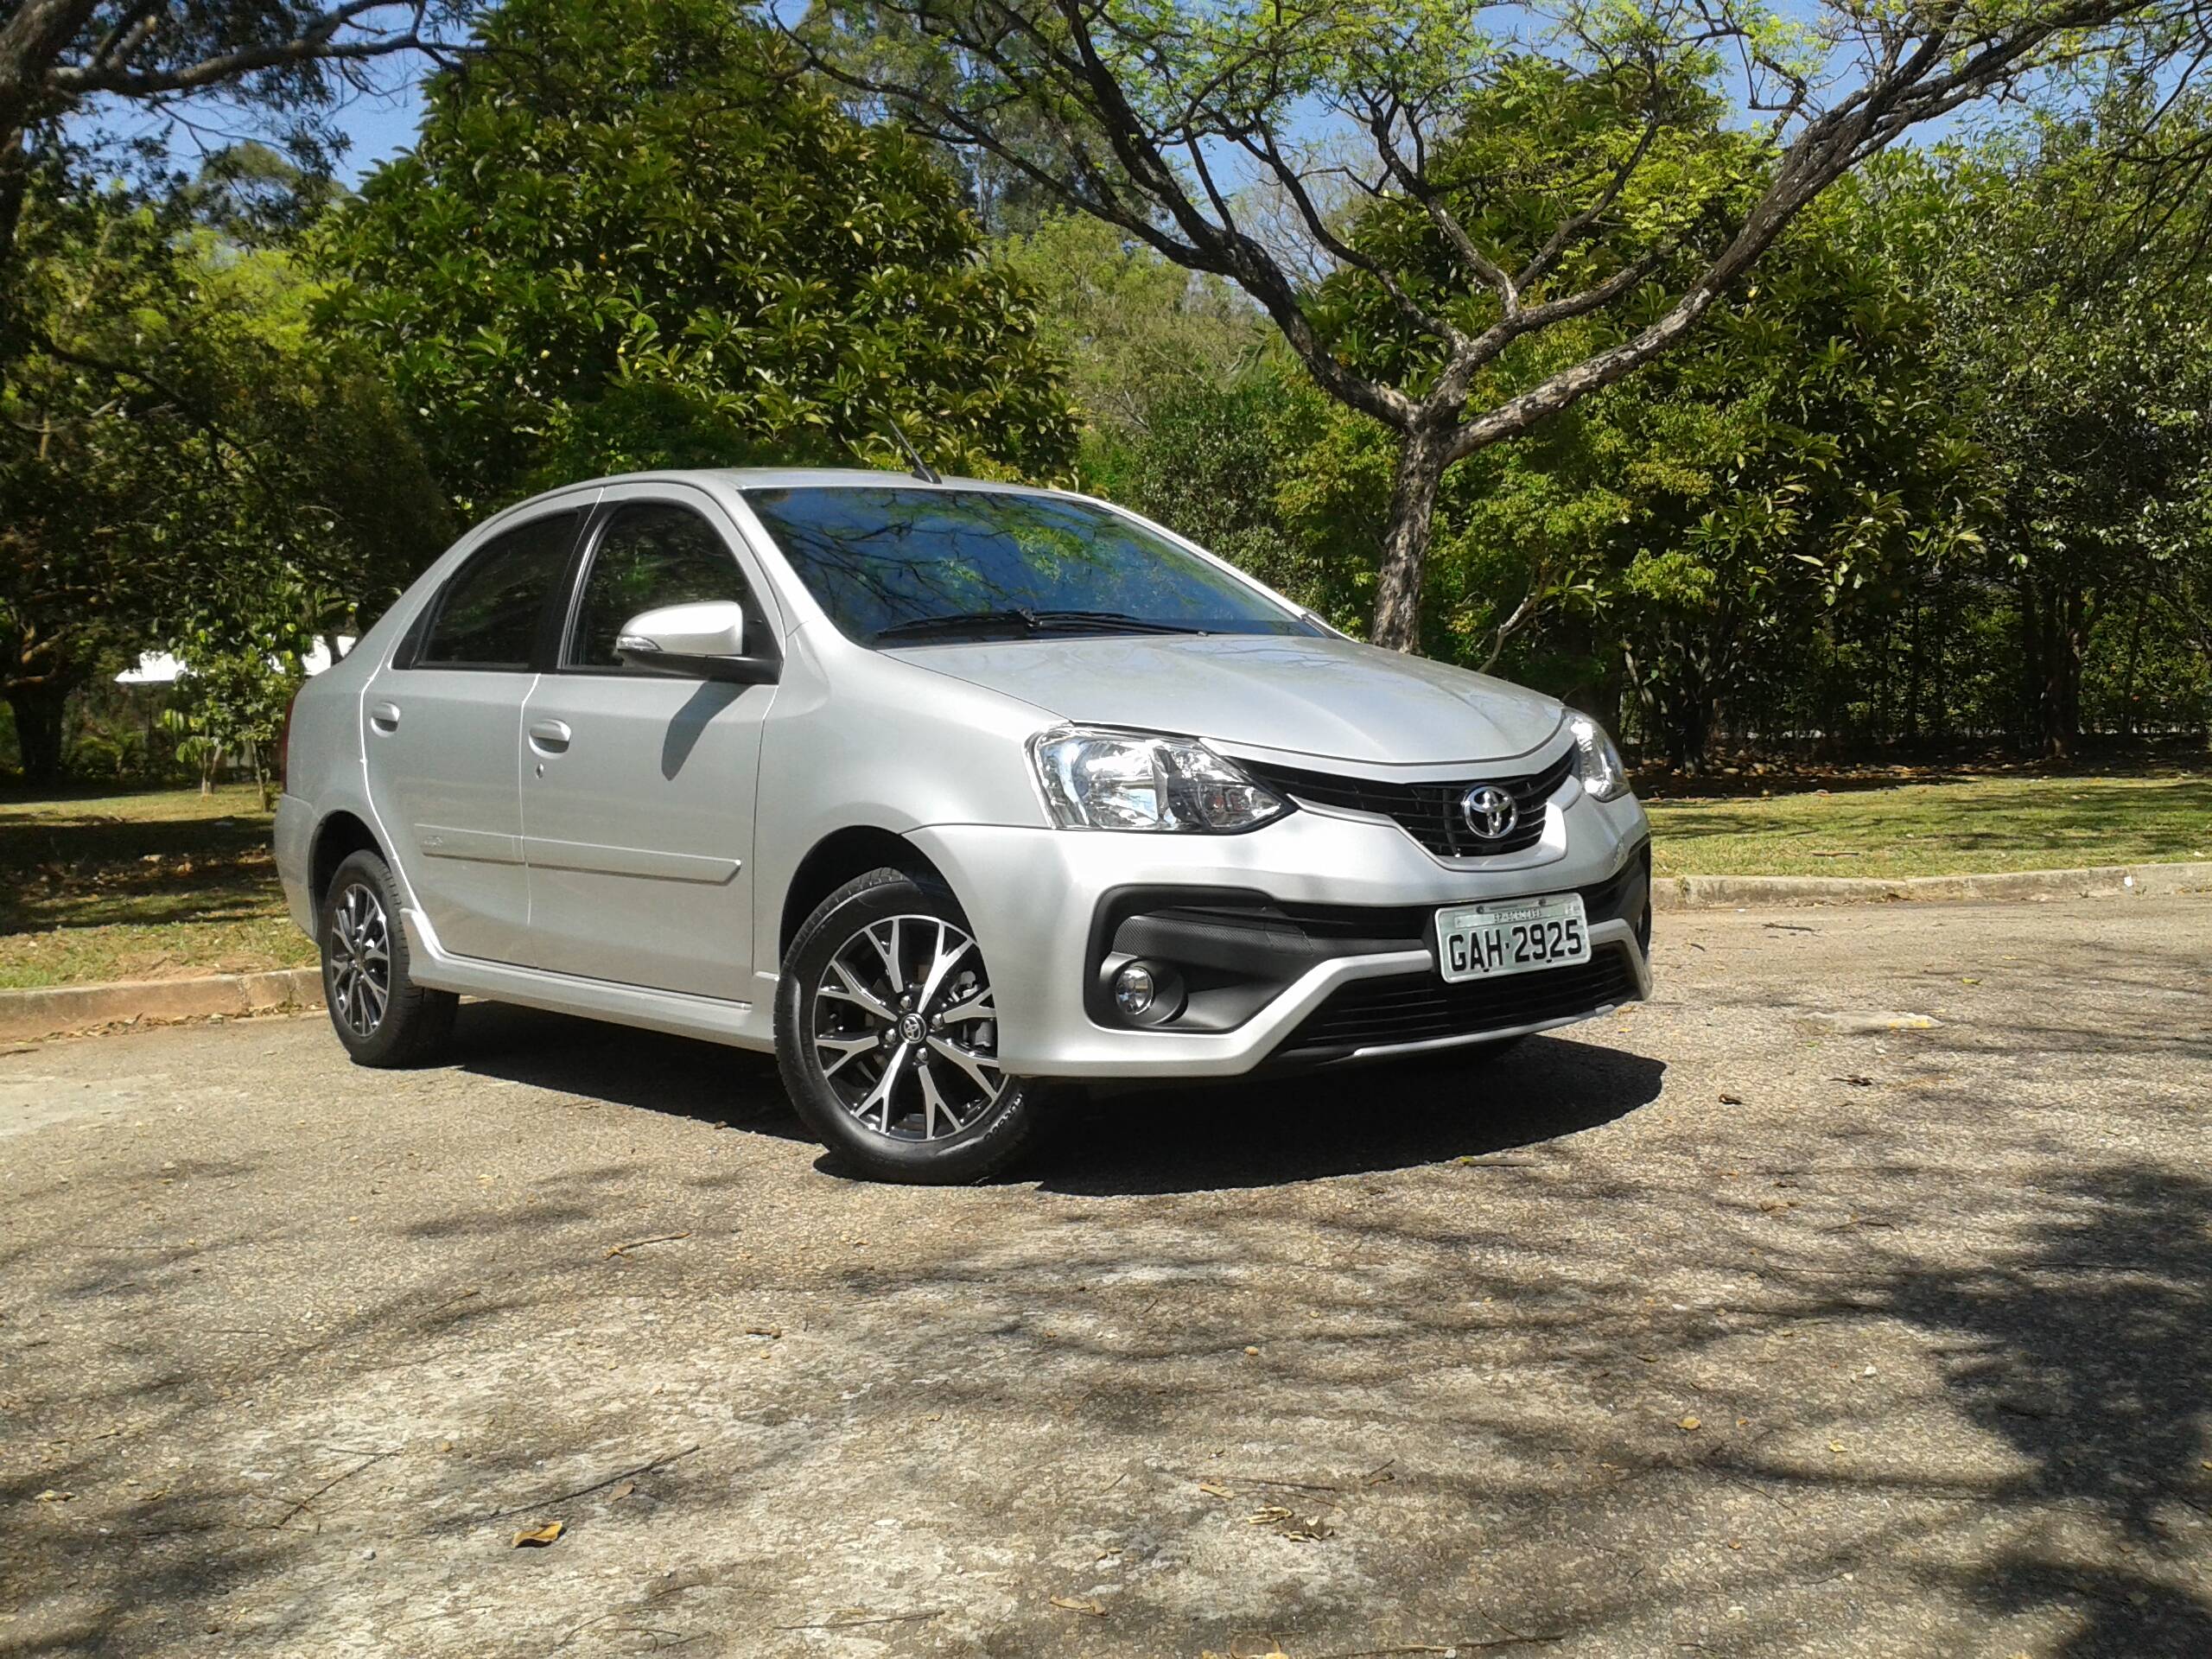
column 1299, row 696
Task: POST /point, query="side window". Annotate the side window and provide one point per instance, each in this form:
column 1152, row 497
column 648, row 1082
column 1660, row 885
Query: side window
column 650, row 554
column 488, row 615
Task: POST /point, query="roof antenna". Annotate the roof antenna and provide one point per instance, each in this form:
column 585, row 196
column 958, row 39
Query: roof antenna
column 920, row 468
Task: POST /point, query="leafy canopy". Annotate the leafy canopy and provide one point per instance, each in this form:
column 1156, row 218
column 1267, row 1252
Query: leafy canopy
column 631, row 236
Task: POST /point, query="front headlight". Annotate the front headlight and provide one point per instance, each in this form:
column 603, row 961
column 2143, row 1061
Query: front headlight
column 1126, row 780
column 1597, row 763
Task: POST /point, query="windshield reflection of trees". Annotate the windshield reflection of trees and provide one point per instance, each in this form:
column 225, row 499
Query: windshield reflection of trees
column 877, row 558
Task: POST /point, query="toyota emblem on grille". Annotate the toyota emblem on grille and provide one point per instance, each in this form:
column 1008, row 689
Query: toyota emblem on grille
column 1490, row 811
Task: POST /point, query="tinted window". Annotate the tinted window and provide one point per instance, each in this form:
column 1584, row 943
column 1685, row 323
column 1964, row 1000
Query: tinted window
column 488, row 615
column 890, row 562
column 649, row 555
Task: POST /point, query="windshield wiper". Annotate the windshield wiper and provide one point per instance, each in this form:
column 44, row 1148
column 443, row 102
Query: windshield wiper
column 1031, row 621
column 958, row 622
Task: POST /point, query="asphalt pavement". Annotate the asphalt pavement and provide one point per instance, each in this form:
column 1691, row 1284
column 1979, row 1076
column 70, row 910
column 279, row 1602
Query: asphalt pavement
column 1854, row 1298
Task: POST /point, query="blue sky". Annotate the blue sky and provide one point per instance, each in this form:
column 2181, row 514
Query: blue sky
column 380, row 125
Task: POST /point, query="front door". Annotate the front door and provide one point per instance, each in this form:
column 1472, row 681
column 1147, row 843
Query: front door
column 637, row 787
column 439, row 725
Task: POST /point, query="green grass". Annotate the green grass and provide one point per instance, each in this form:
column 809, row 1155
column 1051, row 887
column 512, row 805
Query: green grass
column 156, row 884
column 166, row 883
column 1950, row 828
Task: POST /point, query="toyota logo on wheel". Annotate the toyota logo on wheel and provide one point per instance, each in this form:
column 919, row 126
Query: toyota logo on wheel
column 1490, row 812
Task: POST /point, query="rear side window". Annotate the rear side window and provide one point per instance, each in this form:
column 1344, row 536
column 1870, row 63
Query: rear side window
column 489, row 614
column 650, row 554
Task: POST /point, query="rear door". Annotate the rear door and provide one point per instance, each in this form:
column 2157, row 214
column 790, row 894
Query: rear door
column 441, row 723
column 637, row 787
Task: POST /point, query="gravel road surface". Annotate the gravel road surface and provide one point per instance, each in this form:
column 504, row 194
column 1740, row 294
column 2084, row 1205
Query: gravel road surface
column 1855, row 1298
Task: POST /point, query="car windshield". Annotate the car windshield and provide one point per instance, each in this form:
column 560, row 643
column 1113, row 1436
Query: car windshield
column 898, row 566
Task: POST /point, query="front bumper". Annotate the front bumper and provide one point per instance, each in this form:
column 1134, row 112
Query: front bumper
column 1049, row 907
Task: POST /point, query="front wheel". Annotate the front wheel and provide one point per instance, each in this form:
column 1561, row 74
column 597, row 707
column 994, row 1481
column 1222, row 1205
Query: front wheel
column 887, row 1033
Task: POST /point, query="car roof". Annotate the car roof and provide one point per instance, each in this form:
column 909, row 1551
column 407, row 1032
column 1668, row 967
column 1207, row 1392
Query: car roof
column 795, row 478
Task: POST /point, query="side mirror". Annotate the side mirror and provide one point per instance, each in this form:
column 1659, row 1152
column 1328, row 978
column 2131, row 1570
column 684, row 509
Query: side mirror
column 706, row 640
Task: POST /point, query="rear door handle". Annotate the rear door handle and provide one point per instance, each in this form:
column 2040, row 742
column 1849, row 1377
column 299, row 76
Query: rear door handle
column 385, row 717
column 549, row 735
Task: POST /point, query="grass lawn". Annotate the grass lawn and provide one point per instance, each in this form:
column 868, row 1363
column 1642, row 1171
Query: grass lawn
column 153, row 885
column 165, row 883
column 1948, row 829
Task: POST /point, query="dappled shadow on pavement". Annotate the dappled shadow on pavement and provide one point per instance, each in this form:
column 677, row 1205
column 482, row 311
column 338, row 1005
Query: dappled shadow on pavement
column 2086, row 1347
column 1550, row 1351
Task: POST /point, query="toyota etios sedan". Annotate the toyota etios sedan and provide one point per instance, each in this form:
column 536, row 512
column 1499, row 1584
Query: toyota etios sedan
column 945, row 792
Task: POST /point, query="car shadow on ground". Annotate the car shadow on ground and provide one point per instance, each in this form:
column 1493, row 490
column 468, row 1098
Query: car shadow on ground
column 1264, row 1131
column 1271, row 1130
column 679, row 1076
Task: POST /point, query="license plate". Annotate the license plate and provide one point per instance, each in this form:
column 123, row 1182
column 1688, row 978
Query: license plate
column 1491, row 941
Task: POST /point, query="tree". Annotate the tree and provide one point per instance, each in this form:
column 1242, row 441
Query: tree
column 286, row 59
column 1697, row 542
column 630, row 235
column 231, row 703
column 1132, row 327
column 1567, row 162
column 2075, row 320
column 180, row 463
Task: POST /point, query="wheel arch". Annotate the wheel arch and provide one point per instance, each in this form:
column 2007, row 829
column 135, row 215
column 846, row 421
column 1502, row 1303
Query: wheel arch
column 836, row 859
column 337, row 838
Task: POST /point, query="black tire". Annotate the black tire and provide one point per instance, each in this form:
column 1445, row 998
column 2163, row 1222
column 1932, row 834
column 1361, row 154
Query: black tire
column 907, row 1145
column 415, row 1024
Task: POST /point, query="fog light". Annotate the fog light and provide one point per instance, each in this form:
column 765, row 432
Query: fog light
column 1134, row 990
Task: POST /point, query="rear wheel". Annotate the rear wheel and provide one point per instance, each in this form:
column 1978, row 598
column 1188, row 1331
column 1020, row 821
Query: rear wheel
column 380, row 1014
column 886, row 1031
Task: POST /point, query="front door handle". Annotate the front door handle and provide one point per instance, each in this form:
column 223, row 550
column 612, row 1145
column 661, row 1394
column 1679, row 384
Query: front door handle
column 385, row 717
column 551, row 736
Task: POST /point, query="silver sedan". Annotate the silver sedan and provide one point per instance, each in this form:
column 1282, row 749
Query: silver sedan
column 949, row 793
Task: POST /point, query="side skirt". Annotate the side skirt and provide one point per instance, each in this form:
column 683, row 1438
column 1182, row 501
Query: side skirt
column 740, row 1024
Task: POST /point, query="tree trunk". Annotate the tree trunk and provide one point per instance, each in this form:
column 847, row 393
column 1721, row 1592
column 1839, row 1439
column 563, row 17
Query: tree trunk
column 1421, row 461
column 38, row 708
column 2031, row 723
column 2134, row 660
column 2060, row 657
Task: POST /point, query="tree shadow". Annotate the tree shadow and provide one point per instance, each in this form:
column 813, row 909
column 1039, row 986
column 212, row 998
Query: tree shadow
column 2087, row 1348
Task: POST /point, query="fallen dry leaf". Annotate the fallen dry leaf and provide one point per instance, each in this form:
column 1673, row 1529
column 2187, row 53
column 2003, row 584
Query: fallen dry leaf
column 1212, row 1490
column 49, row 1495
column 1731, row 1100
column 1289, row 1524
column 771, row 1331
column 1072, row 1606
column 537, row 1537
column 1689, row 1424
column 622, row 1491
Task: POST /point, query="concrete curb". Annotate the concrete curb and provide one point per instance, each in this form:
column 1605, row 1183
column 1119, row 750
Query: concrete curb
column 2103, row 882
column 55, row 1011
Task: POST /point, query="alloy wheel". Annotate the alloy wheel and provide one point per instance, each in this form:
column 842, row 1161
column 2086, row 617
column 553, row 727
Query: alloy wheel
column 905, row 1030
column 360, row 960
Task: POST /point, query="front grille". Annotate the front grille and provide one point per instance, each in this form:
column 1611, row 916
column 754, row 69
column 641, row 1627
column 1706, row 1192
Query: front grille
column 1421, row 1008
column 1428, row 812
